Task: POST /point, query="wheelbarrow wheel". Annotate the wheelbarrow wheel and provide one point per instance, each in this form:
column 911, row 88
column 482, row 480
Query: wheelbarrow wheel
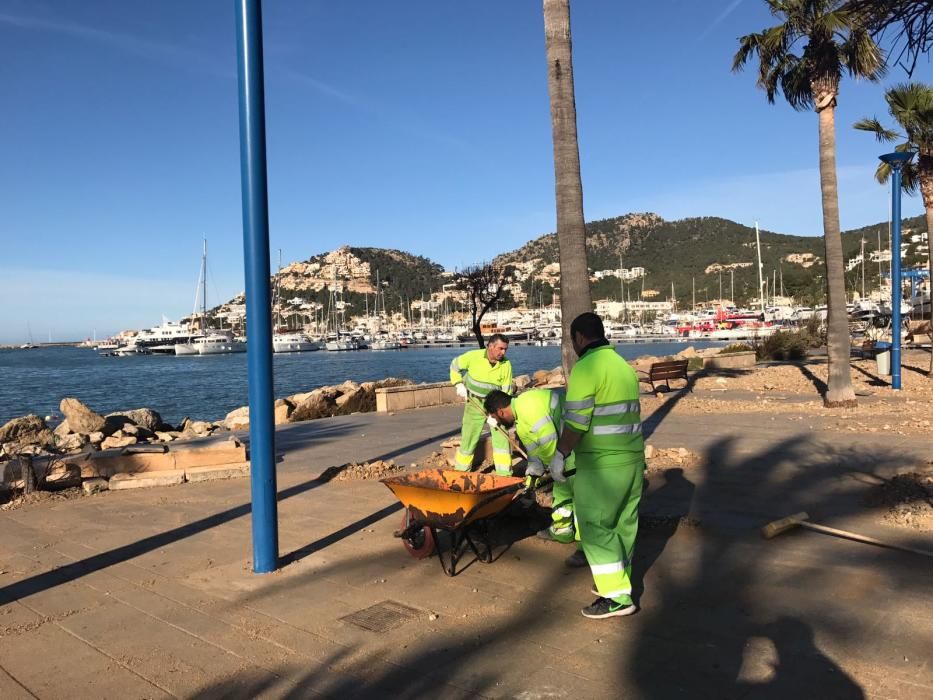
column 421, row 542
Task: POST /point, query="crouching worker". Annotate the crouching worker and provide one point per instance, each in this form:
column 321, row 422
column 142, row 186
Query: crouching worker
column 536, row 415
column 475, row 373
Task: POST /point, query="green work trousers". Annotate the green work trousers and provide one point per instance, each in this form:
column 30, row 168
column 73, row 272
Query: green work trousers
column 606, row 493
column 562, row 521
column 474, row 421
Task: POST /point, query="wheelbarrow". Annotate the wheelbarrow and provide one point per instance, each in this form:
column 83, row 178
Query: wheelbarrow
column 459, row 503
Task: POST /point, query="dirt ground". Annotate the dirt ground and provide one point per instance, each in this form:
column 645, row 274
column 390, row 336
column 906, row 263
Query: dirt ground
column 793, row 391
column 906, row 500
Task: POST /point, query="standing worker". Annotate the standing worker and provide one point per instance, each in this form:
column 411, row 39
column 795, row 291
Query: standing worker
column 602, row 427
column 536, row 415
column 476, row 373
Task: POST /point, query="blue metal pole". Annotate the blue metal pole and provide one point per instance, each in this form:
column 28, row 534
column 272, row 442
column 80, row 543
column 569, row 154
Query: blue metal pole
column 258, row 298
column 896, row 281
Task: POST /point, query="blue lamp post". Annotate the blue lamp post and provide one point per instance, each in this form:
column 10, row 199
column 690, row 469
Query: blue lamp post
column 258, row 302
column 896, row 161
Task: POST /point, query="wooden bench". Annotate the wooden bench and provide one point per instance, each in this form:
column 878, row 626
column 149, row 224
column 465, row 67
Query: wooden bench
column 665, row 372
column 868, row 350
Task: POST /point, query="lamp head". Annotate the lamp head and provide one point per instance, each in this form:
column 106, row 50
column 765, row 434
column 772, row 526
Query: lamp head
column 898, row 159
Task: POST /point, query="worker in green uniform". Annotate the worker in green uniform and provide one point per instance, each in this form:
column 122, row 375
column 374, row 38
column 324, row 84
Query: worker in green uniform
column 602, row 427
column 537, row 416
column 475, row 373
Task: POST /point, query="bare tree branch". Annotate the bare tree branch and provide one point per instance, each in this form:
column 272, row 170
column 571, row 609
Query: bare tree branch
column 484, row 285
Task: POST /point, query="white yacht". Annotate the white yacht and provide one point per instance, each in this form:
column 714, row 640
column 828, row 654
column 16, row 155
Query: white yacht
column 219, row 344
column 293, row 342
column 385, row 344
column 339, row 344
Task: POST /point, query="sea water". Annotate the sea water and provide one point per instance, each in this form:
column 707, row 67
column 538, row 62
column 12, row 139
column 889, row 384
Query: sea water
column 208, row 387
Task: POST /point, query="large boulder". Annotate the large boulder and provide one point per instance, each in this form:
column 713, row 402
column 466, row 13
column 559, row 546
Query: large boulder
column 522, row 381
column 26, row 430
column 144, row 417
column 540, row 377
column 62, row 429
column 686, row 353
column 316, row 405
column 81, row 419
column 283, row 409
column 237, row 419
column 352, row 401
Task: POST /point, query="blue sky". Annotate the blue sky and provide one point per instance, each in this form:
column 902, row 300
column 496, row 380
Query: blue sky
column 420, row 125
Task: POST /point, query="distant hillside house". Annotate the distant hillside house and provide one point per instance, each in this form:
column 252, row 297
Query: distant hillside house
column 627, row 274
column 802, row 259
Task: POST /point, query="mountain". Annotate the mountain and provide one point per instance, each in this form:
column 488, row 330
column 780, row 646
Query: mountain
column 700, row 252
column 654, row 253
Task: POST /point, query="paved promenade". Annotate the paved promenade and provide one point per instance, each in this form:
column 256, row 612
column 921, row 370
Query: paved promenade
column 148, row 593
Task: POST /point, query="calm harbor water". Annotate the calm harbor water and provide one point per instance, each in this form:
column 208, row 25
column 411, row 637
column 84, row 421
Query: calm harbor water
column 207, row 388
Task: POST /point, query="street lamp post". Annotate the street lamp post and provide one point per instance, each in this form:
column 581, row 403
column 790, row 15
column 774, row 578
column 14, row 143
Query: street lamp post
column 258, row 298
column 896, row 161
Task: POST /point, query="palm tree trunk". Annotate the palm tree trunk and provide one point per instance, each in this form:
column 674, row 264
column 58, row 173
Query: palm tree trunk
column 571, row 228
column 839, row 391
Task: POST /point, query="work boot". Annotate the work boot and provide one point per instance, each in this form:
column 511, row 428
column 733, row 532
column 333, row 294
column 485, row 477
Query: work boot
column 548, row 534
column 602, row 608
column 577, row 560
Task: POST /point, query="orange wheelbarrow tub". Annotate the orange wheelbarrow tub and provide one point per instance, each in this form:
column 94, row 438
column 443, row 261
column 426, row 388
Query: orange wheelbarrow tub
column 457, row 502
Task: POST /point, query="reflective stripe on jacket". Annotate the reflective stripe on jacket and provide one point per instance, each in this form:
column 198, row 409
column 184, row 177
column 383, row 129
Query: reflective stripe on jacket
column 538, row 421
column 603, row 403
column 480, row 377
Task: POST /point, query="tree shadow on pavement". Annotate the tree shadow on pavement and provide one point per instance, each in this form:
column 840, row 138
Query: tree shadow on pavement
column 725, row 614
column 818, row 384
column 75, row 570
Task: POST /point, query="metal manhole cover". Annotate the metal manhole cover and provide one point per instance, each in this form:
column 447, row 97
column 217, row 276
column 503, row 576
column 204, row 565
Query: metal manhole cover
column 382, row 617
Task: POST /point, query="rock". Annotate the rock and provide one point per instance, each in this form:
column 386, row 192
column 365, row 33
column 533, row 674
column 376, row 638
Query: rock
column 129, row 429
column 283, row 409
column 687, row 353
column 145, row 418
column 92, row 486
column 540, row 377
column 23, row 431
column 114, row 441
column 237, row 419
column 315, row 405
column 62, row 429
column 649, row 451
column 181, row 425
column 348, row 387
column 80, row 418
column 522, row 381
column 351, row 401
column 556, row 377
column 165, row 436
column 71, row 443
column 114, row 423
column 296, row 399
column 95, row 438
column 199, row 427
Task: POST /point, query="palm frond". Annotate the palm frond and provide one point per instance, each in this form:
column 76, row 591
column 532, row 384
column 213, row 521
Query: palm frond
column 861, row 56
column 882, row 134
column 883, row 173
column 748, row 46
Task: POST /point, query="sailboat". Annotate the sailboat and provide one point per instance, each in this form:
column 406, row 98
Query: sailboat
column 336, row 343
column 30, row 345
column 290, row 341
column 188, row 347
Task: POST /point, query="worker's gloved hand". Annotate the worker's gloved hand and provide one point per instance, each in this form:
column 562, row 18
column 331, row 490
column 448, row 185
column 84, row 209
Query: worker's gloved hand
column 492, row 422
column 462, row 391
column 556, row 467
column 535, row 467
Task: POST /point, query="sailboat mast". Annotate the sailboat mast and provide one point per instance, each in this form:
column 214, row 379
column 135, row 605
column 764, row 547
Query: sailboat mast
column 204, row 286
column 761, row 282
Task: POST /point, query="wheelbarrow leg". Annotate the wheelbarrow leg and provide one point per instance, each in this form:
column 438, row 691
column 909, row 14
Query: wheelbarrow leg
column 481, row 530
column 449, row 560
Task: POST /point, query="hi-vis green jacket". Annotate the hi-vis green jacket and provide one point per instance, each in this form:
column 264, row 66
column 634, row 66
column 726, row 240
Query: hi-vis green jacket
column 479, row 375
column 603, row 404
column 537, row 422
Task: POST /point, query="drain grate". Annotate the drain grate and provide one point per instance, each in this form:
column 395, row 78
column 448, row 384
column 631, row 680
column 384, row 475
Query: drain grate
column 382, row 617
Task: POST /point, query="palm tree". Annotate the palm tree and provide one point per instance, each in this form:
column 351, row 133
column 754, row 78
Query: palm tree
column 571, row 228
column 804, row 58
column 911, row 107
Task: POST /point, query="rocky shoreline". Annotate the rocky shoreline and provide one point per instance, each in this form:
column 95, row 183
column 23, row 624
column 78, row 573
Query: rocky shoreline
column 81, row 429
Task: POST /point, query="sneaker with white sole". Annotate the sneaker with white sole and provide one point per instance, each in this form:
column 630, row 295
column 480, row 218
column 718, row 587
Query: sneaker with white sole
column 602, row 608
